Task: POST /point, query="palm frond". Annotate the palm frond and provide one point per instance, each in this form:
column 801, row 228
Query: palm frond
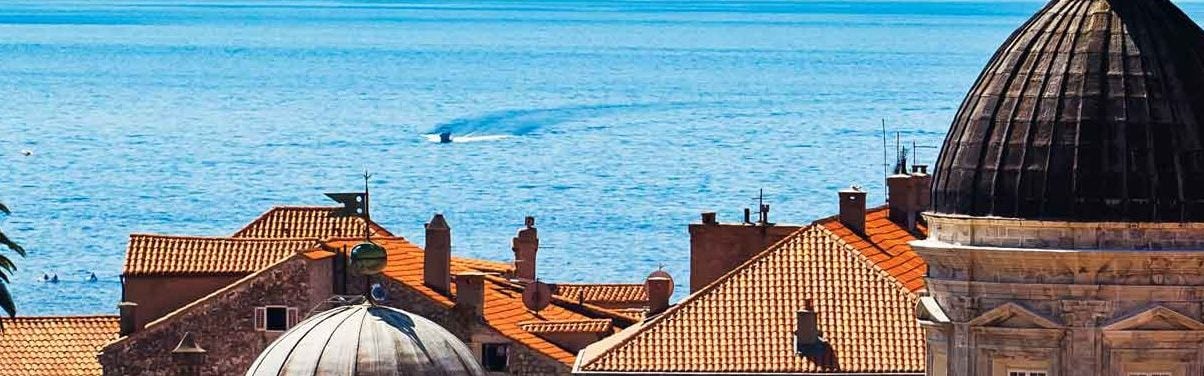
column 6, row 301
column 7, row 265
column 11, row 244
column 4, row 209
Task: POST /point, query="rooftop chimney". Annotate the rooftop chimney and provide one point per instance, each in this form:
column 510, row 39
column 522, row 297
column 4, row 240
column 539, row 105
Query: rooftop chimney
column 660, row 288
column 128, row 321
column 525, row 245
column 709, row 218
column 188, row 357
column 852, row 208
column 919, row 173
column 908, row 195
column 806, row 334
column 900, row 199
column 436, row 263
column 470, row 292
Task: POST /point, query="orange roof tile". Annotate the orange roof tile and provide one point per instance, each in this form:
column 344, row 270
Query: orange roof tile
column 306, row 222
column 885, row 244
column 503, row 310
column 744, row 321
column 602, row 293
column 54, row 345
column 567, row 326
column 175, row 255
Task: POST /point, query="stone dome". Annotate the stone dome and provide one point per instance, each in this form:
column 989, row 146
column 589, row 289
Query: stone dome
column 366, row 339
column 1092, row 111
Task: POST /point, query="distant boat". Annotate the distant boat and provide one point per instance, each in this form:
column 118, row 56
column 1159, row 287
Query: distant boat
column 445, row 138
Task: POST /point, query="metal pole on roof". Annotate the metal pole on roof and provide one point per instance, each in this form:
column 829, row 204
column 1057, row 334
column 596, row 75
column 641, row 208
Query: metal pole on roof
column 885, row 161
column 366, row 215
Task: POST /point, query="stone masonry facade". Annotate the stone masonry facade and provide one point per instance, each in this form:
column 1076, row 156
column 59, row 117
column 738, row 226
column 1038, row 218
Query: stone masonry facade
column 222, row 325
column 1062, row 298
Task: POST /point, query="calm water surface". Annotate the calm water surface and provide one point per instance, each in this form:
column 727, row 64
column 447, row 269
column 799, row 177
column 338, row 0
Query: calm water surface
column 614, row 122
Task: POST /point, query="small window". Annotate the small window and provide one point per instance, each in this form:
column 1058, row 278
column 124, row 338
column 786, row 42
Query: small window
column 275, row 318
column 1025, row 372
column 495, row 357
column 1149, row 374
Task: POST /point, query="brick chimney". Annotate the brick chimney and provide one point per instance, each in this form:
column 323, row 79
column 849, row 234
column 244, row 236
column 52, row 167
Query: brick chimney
column 660, row 288
column 525, row 246
column 128, row 320
column 436, row 263
column 908, row 195
column 717, row 248
column 470, row 292
column 188, row 357
column 852, row 208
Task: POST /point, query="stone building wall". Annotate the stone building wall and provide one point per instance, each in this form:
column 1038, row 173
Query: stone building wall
column 147, row 291
column 999, row 305
column 223, row 325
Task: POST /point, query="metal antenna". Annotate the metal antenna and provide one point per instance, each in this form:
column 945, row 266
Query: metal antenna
column 367, row 217
column 885, row 161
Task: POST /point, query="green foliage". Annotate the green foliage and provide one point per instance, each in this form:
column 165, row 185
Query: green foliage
column 7, row 268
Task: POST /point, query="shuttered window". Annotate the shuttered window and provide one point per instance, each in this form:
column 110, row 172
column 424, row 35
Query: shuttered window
column 275, row 318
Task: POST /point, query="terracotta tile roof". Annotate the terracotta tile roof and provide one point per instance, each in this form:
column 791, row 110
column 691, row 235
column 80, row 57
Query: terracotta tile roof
column 54, row 345
column 306, row 222
column 602, row 293
column 176, row 255
column 884, row 244
column 567, row 326
column 744, row 321
column 504, row 309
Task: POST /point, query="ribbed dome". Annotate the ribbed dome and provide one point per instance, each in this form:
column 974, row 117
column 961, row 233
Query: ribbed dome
column 1092, row 111
column 365, row 339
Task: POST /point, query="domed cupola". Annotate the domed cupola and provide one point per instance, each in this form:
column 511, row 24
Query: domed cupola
column 366, row 339
column 1091, row 111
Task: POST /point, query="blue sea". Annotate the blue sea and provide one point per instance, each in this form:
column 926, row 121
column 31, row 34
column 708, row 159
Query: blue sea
column 615, row 123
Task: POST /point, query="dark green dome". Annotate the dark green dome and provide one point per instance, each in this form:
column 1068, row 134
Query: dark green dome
column 368, row 258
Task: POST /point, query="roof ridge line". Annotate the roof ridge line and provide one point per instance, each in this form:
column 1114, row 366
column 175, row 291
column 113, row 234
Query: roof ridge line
column 217, row 237
column 46, row 317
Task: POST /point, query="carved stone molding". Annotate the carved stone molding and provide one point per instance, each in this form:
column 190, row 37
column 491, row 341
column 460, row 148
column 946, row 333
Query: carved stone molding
column 1085, row 313
column 963, row 308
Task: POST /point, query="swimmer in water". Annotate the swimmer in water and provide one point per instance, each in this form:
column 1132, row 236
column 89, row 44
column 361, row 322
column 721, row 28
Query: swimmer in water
column 92, row 277
column 54, row 278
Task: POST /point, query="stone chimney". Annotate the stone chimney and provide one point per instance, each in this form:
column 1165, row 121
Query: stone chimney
column 908, row 195
column 923, row 180
column 525, row 245
column 188, row 357
column 900, row 200
column 436, row 263
column 852, row 208
column 660, row 288
column 717, row 248
column 128, row 321
column 806, row 334
column 470, row 292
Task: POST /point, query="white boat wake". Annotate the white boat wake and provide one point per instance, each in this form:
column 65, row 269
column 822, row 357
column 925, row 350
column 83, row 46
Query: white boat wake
column 468, row 138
